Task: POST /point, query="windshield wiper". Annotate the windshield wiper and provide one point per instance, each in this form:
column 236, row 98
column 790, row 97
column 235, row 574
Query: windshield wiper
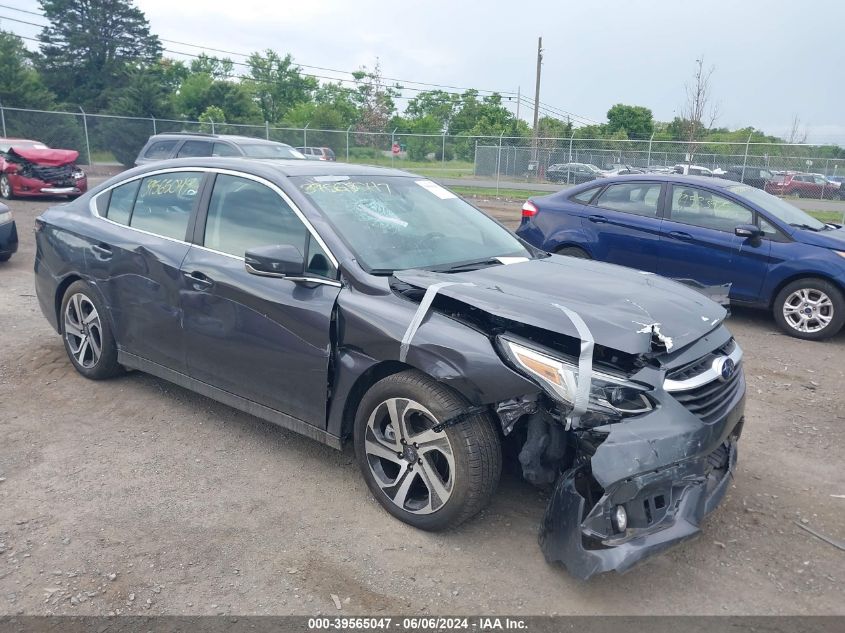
column 804, row 226
column 467, row 266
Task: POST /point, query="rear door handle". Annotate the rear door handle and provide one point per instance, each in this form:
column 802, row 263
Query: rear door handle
column 680, row 235
column 598, row 219
column 103, row 250
column 199, row 281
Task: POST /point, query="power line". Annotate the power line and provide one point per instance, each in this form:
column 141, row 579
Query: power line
column 552, row 110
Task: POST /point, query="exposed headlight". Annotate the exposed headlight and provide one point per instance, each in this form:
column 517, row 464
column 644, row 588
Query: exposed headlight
column 611, row 397
column 78, row 174
column 5, row 215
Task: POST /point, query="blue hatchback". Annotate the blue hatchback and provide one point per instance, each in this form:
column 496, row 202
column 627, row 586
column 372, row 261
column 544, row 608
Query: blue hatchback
column 711, row 231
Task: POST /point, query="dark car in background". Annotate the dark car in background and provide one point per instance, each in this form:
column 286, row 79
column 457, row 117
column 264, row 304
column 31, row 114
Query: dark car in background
column 197, row 145
column 8, row 234
column 29, row 168
column 750, row 175
column 573, row 172
column 762, row 251
column 358, row 303
column 317, row 153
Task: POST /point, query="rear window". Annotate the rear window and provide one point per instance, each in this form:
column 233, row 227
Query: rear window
column 585, row 196
column 160, row 149
column 195, row 149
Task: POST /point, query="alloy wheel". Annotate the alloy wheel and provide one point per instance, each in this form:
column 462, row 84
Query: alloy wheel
column 5, row 188
column 413, row 464
column 808, row 310
column 83, row 330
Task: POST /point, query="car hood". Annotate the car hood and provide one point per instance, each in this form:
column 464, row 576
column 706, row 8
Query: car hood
column 46, row 157
column 825, row 239
column 627, row 310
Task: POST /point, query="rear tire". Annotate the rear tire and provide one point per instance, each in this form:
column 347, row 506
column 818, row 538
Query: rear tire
column 87, row 334
column 810, row 309
column 573, row 251
column 429, row 479
column 6, row 257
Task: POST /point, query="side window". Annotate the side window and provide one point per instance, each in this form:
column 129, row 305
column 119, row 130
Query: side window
column 164, row 203
column 195, row 149
column 243, row 214
column 224, row 149
column 639, row 198
column 120, row 202
column 585, row 196
column 706, row 209
column 160, row 149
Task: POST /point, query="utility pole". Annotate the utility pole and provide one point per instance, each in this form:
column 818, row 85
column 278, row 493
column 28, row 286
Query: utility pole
column 518, row 101
column 537, row 96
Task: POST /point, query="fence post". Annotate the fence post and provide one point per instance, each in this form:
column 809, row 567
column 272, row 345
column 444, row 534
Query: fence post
column 85, row 128
column 745, row 159
column 212, row 124
column 305, row 135
column 267, row 130
column 475, row 159
column 3, row 118
column 499, row 162
column 443, row 151
column 648, row 160
column 392, row 143
column 155, row 130
column 347, row 143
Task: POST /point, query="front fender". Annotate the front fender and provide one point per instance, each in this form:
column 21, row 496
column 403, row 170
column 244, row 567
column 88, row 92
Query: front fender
column 370, row 328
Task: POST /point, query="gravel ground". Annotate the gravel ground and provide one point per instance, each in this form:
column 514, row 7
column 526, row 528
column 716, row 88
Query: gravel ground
column 134, row 496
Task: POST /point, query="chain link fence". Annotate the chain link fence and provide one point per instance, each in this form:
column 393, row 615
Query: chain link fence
column 109, row 139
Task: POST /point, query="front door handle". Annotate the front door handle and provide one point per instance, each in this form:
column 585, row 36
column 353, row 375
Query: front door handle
column 680, row 235
column 199, row 281
column 598, row 219
column 103, row 250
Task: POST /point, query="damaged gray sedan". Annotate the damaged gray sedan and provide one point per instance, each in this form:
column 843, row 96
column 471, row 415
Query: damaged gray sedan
column 356, row 303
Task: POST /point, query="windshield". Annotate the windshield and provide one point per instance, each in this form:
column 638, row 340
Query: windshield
column 780, row 209
column 398, row 222
column 268, row 150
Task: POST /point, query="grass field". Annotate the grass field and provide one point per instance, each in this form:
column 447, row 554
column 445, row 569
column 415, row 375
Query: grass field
column 430, row 168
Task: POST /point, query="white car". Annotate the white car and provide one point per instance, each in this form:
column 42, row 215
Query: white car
column 692, row 170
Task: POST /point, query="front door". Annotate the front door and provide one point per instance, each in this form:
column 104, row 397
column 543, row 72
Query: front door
column 262, row 338
column 697, row 239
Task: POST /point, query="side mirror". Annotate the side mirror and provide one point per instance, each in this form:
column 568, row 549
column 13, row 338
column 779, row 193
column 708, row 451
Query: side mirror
column 748, row 231
column 279, row 260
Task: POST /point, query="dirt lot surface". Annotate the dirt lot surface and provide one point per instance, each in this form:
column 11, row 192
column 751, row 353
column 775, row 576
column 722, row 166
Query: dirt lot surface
column 135, row 496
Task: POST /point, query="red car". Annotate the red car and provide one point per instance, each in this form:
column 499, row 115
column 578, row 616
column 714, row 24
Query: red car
column 30, row 168
column 802, row 185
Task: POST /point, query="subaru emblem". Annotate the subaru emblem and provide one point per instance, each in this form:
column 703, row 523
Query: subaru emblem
column 725, row 368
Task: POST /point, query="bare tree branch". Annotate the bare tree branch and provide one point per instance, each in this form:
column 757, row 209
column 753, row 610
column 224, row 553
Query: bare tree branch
column 698, row 112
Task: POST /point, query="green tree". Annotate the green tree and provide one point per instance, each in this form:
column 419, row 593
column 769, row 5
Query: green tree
column 636, row 121
column 278, row 84
column 20, row 84
column 375, row 101
column 88, row 47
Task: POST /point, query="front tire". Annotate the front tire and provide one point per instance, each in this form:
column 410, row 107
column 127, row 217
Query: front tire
column 87, row 334
column 430, row 479
column 810, row 309
column 6, row 188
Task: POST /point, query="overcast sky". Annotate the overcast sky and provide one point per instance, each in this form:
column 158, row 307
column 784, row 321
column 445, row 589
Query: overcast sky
column 773, row 59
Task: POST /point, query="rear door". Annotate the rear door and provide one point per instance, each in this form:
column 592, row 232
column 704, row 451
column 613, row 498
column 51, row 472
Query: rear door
column 136, row 256
column 625, row 224
column 262, row 338
column 697, row 241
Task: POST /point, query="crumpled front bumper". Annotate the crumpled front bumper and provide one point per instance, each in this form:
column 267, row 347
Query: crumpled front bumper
column 672, row 482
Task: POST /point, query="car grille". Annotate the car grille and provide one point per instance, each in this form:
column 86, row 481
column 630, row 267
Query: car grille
column 61, row 176
column 713, row 400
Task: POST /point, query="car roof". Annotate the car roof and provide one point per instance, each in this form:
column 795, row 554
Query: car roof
column 284, row 167
column 220, row 137
column 718, row 183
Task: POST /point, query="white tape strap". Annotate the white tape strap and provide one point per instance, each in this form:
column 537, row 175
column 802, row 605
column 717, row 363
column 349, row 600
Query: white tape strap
column 419, row 315
column 585, row 366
